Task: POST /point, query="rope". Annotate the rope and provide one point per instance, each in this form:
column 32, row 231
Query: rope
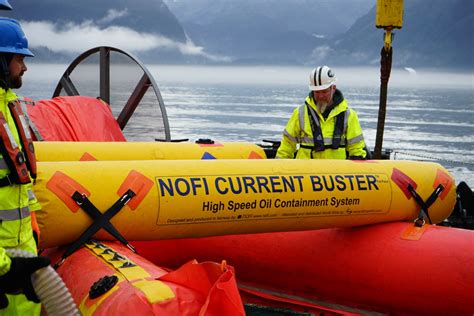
column 430, row 158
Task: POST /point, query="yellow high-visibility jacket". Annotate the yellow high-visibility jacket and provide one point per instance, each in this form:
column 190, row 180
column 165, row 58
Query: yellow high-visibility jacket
column 299, row 130
column 16, row 201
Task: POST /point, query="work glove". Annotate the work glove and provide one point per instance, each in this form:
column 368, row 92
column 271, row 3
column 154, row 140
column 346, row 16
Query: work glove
column 18, row 279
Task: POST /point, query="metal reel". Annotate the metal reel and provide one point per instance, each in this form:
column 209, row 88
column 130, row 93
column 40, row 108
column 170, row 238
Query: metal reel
column 90, row 74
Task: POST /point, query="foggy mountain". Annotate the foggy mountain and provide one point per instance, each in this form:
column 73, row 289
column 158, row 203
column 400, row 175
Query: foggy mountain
column 140, row 15
column 436, row 33
column 59, row 29
column 265, row 31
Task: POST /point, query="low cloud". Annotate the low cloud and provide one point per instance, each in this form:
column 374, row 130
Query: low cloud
column 77, row 38
column 320, row 53
column 113, row 14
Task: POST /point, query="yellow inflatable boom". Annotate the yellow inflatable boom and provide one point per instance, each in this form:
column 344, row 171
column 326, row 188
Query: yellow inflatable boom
column 195, row 198
column 87, row 151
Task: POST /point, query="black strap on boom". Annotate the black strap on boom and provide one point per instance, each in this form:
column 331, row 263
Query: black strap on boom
column 100, row 221
column 424, row 205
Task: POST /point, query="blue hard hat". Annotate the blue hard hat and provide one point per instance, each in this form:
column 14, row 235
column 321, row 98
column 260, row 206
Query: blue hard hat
column 4, row 5
column 13, row 40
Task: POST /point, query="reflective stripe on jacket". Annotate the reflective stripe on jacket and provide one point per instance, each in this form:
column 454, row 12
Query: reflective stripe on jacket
column 299, row 131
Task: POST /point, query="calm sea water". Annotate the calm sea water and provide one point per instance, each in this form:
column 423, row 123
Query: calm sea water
column 430, row 116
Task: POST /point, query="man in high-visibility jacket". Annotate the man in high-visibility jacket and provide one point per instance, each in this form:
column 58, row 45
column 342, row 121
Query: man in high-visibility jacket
column 325, row 127
column 17, row 164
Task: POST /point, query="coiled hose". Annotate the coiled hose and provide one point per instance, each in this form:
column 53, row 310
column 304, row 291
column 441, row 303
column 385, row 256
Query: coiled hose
column 50, row 288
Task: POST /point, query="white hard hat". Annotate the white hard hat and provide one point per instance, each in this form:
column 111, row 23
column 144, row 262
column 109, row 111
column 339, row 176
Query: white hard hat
column 321, row 78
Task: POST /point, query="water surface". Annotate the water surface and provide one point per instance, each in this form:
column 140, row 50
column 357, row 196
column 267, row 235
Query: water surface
column 430, row 115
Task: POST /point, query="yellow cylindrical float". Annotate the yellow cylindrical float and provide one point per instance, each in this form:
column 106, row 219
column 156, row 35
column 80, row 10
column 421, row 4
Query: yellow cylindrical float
column 195, row 198
column 87, row 151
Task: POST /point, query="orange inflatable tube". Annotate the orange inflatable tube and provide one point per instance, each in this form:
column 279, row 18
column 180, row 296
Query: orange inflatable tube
column 392, row 268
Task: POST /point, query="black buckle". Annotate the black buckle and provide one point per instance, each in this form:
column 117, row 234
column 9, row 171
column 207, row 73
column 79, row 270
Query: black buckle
column 318, row 146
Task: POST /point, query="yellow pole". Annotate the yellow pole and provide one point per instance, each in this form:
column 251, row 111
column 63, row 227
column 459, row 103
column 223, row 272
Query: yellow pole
column 389, row 15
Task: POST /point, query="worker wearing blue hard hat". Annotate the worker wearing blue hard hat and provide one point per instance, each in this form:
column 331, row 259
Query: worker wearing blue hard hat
column 18, row 250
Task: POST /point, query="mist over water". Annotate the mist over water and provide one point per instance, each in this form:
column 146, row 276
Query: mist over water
column 430, row 115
